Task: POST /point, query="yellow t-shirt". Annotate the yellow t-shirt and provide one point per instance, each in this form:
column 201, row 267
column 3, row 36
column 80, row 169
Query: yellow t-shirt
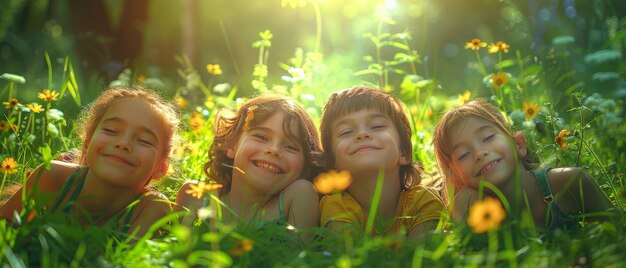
column 415, row 206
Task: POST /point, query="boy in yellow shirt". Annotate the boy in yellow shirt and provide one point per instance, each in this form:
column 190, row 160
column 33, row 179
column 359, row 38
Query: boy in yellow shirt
column 364, row 131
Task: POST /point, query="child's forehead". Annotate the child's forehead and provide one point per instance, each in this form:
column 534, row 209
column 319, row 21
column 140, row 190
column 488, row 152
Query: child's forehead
column 137, row 111
column 365, row 112
column 467, row 126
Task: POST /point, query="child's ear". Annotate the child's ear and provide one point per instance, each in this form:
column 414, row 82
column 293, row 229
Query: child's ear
column 403, row 160
column 520, row 143
column 161, row 169
column 230, row 152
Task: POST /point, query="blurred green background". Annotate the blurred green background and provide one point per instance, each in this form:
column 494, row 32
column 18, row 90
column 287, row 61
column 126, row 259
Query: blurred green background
column 102, row 37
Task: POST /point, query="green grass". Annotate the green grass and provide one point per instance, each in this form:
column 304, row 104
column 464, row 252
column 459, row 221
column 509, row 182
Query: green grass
column 596, row 143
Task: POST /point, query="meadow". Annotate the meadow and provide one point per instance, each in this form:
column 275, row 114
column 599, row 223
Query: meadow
column 564, row 89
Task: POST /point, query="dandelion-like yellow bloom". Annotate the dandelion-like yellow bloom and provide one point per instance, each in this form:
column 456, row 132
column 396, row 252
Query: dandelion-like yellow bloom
column 465, row 97
column 249, row 118
column 4, row 126
column 429, row 112
column 475, row 44
column 561, row 139
column 214, row 69
column 499, row 46
column 332, row 181
column 14, row 128
column 197, row 190
column 210, row 102
column 196, row 122
column 499, row 79
column 181, row 102
column 48, row 95
column 35, row 108
column 242, row 247
column 8, row 165
column 11, row 104
column 530, row 110
column 486, row 215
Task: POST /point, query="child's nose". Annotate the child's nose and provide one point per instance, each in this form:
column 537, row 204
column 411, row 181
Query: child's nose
column 480, row 155
column 123, row 144
column 272, row 150
column 363, row 135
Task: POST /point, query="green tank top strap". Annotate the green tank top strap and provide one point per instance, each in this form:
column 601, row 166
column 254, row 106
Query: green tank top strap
column 79, row 174
column 127, row 214
column 544, row 186
column 281, row 206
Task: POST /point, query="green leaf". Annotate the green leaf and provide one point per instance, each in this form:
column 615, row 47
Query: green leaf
column 504, row 64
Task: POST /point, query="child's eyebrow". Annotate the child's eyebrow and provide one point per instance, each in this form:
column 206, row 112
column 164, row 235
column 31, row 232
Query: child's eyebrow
column 141, row 128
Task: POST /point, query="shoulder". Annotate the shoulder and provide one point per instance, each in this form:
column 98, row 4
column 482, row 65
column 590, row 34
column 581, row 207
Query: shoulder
column 153, row 202
column 300, row 191
column 421, row 195
column 298, row 188
column 462, row 202
column 52, row 179
column 569, row 178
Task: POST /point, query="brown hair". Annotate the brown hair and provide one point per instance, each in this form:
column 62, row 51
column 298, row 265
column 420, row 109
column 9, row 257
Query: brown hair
column 477, row 108
column 91, row 116
column 361, row 97
column 228, row 130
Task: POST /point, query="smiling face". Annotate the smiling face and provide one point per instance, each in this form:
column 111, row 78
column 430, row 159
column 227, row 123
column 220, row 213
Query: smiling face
column 127, row 146
column 481, row 150
column 366, row 140
column 269, row 158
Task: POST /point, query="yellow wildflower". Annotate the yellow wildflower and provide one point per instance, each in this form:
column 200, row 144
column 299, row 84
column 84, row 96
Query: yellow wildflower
column 242, row 247
column 35, row 108
column 8, row 165
column 197, row 190
column 214, row 69
column 499, row 79
column 499, row 46
column 196, row 122
column 181, row 102
column 11, row 104
column 4, row 126
column 530, row 109
column 48, row 95
column 465, row 97
column 561, row 139
column 429, row 112
column 475, row 44
column 332, row 181
column 486, row 215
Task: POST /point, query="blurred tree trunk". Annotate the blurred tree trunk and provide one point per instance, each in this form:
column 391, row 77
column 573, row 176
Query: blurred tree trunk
column 188, row 31
column 101, row 48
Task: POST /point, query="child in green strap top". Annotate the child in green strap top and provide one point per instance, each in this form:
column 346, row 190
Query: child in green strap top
column 264, row 157
column 473, row 143
column 365, row 131
column 127, row 140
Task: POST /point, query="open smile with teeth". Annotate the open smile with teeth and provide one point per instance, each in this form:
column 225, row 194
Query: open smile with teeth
column 488, row 167
column 268, row 167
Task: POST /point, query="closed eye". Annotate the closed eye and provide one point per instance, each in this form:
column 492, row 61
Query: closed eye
column 260, row 137
column 145, row 142
column 344, row 133
column 292, row 147
column 489, row 138
column 463, row 156
column 378, row 126
column 109, row 130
